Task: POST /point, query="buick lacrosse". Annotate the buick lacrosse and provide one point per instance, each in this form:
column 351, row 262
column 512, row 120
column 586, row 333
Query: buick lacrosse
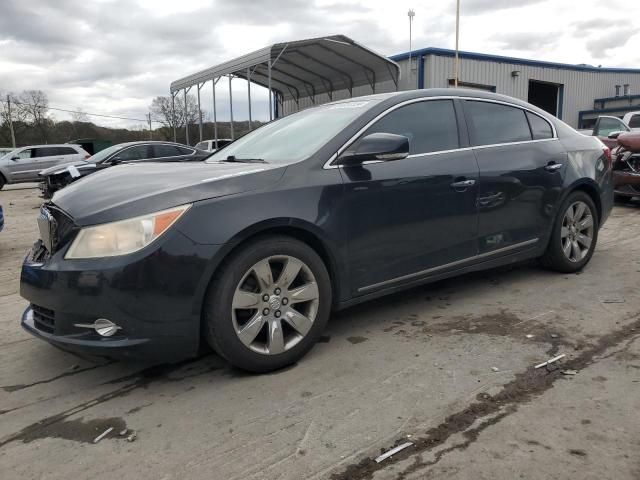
column 251, row 250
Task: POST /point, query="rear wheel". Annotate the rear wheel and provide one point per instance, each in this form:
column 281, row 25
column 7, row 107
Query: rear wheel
column 574, row 235
column 269, row 304
column 3, row 181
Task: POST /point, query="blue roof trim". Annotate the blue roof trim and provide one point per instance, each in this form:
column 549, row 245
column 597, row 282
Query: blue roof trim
column 620, row 97
column 610, row 110
column 444, row 52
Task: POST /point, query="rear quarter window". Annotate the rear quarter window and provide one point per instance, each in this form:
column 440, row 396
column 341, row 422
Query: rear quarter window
column 494, row 123
column 540, row 128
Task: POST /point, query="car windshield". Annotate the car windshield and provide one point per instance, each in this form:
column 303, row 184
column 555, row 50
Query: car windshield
column 102, row 155
column 294, row 137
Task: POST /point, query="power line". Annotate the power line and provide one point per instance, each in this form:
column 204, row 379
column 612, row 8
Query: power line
column 76, row 111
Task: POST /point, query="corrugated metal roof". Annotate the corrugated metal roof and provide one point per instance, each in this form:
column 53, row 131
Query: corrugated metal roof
column 513, row 60
column 305, row 68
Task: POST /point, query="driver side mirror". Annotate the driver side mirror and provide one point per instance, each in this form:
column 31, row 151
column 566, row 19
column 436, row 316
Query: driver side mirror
column 376, row 147
column 614, row 135
column 15, row 158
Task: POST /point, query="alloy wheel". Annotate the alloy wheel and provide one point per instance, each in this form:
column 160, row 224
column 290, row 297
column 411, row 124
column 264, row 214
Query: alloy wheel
column 275, row 304
column 576, row 234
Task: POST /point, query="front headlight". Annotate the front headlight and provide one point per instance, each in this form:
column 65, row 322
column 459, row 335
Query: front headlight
column 124, row 236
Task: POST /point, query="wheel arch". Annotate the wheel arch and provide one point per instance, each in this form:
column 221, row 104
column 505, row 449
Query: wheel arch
column 591, row 188
column 295, row 228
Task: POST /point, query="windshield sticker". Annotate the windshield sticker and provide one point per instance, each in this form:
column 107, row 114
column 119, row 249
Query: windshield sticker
column 348, row 105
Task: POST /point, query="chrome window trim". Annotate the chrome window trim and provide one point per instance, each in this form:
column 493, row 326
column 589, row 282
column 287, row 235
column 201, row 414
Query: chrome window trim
column 329, row 163
column 463, row 261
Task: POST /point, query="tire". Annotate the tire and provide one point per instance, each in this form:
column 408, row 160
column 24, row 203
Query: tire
column 3, row 181
column 555, row 257
column 259, row 306
column 621, row 199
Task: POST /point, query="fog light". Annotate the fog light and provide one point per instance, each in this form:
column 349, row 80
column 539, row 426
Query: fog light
column 102, row 326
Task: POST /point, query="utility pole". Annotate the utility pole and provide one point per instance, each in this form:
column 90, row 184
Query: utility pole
column 13, row 135
column 150, row 133
column 411, row 14
column 457, row 59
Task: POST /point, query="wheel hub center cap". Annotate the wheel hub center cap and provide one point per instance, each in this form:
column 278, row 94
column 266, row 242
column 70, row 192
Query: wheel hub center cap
column 275, row 302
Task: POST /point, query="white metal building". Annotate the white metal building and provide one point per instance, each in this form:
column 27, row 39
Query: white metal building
column 575, row 93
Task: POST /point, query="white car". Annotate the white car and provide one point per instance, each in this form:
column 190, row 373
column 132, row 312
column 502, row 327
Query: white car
column 210, row 145
column 633, row 120
column 24, row 163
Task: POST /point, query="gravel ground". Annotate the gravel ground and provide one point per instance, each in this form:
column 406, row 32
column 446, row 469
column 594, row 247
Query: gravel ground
column 448, row 367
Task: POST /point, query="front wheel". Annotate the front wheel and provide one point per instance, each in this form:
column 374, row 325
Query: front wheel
column 574, row 235
column 268, row 305
column 2, row 181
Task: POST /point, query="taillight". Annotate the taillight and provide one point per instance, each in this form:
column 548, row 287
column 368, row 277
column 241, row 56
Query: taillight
column 607, row 154
column 87, row 156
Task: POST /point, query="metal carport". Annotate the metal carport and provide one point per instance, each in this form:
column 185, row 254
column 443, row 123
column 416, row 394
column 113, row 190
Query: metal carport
column 299, row 71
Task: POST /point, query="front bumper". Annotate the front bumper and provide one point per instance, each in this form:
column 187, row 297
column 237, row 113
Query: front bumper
column 154, row 296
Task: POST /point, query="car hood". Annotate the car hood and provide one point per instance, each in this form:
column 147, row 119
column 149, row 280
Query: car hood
column 129, row 190
column 61, row 167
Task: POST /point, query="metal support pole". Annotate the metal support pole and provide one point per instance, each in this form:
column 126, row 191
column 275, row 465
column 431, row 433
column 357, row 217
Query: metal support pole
column 150, row 131
column 411, row 14
column 231, row 106
column 215, row 115
column 199, row 113
column 13, row 135
column 457, row 59
column 249, row 94
column 269, row 86
column 186, row 117
column 173, row 115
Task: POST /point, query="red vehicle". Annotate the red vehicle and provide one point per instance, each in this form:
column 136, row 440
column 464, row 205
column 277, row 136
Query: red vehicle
column 626, row 166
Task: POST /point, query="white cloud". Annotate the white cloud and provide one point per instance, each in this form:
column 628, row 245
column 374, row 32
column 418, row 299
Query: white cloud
column 114, row 56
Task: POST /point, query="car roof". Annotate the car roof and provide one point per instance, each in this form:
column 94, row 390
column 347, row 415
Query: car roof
column 50, row 145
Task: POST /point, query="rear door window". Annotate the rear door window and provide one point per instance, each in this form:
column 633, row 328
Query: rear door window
column 66, row 151
column 540, row 128
column 161, row 151
column 494, row 123
column 430, row 126
column 138, row 152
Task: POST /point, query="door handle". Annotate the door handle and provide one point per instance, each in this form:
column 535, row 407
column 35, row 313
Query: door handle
column 463, row 184
column 553, row 166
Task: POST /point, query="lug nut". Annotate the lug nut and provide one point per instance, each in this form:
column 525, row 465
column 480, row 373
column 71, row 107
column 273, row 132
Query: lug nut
column 285, row 301
column 265, row 298
column 277, row 314
column 277, row 291
column 265, row 311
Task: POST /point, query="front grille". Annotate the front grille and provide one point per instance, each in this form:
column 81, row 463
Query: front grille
column 43, row 318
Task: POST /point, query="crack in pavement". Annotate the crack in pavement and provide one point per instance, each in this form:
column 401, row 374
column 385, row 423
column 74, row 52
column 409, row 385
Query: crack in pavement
column 139, row 379
column 525, row 387
column 15, row 388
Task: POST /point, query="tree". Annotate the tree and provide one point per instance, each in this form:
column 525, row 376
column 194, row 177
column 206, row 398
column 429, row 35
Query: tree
column 34, row 105
column 79, row 116
column 163, row 113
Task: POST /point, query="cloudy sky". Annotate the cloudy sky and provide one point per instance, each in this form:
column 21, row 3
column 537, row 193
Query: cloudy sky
column 114, row 56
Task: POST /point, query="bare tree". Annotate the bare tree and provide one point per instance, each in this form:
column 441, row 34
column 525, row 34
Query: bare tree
column 34, row 106
column 162, row 112
column 79, row 116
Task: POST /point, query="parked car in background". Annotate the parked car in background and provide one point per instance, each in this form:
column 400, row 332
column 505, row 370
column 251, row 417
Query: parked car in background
column 53, row 179
column 632, row 119
column 604, row 128
column 626, row 167
column 210, row 145
column 23, row 164
column 319, row 210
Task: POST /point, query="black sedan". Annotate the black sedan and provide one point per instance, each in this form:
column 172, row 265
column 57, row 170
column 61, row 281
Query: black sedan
column 251, row 250
column 55, row 178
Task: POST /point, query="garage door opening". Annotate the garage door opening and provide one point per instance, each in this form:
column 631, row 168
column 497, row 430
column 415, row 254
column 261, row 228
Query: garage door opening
column 545, row 96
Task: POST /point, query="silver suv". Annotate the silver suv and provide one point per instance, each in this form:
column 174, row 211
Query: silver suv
column 24, row 163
